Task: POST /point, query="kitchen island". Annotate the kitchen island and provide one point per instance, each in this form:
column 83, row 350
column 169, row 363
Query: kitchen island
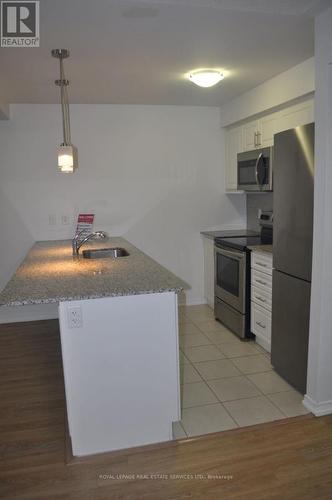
column 119, row 340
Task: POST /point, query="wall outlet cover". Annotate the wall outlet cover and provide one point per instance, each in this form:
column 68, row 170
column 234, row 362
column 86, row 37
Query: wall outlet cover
column 75, row 319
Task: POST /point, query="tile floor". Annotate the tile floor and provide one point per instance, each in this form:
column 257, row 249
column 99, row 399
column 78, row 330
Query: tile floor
column 226, row 383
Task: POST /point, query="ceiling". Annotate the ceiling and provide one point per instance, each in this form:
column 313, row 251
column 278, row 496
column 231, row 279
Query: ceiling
column 134, row 52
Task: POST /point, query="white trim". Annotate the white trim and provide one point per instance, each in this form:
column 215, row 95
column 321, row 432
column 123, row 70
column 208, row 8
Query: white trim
column 318, row 409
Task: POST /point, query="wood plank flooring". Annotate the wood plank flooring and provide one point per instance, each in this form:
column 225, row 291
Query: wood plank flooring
column 283, row 460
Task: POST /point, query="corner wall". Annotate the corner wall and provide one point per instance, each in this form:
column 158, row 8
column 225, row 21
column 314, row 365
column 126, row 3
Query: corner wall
column 319, row 386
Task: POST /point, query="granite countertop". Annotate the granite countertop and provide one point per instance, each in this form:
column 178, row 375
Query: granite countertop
column 262, row 248
column 226, row 233
column 50, row 274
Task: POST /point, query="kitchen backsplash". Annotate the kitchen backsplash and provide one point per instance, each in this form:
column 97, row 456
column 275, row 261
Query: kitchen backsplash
column 262, row 201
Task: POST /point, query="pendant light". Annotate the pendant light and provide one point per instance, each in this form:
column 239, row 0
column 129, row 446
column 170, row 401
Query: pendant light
column 67, row 152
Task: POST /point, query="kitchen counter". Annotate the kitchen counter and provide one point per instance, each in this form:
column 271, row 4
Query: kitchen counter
column 262, row 248
column 50, row 274
column 228, row 233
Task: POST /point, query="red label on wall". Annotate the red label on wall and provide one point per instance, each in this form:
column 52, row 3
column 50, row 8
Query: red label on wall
column 84, row 225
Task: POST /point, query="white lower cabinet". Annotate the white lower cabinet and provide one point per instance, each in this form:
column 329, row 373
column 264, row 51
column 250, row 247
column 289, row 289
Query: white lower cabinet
column 261, row 297
column 208, row 245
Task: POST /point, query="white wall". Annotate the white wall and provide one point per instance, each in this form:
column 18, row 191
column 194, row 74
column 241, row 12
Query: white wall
column 319, row 388
column 289, row 86
column 154, row 174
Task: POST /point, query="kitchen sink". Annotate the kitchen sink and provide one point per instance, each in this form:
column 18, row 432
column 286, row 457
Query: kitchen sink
column 103, row 253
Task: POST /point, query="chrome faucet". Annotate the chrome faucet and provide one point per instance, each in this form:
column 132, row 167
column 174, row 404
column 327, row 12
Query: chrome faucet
column 77, row 244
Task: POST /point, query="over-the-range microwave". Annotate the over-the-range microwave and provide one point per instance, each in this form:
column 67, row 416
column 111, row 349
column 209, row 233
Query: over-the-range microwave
column 254, row 170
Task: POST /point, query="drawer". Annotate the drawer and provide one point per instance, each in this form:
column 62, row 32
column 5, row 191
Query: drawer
column 261, row 280
column 262, row 262
column 260, row 321
column 262, row 297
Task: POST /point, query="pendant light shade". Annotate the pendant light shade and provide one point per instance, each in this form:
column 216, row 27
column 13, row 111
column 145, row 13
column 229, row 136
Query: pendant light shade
column 67, row 159
column 67, row 152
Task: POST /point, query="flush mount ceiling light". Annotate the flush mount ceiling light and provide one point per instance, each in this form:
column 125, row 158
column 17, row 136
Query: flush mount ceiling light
column 206, row 77
column 67, row 153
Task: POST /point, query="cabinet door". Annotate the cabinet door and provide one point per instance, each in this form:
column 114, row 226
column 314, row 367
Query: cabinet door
column 233, row 147
column 208, row 245
column 250, row 135
column 296, row 115
column 266, row 130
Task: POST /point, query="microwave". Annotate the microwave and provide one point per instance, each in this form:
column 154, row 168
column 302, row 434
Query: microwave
column 254, row 170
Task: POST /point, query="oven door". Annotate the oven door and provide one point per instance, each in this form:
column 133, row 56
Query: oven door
column 230, row 277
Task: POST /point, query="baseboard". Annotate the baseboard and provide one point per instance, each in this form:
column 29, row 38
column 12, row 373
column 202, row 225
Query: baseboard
column 318, row 409
column 15, row 314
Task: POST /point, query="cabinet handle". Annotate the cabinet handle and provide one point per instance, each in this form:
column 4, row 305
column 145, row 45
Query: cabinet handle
column 260, row 264
column 260, row 324
column 255, row 139
column 261, row 282
column 259, row 142
column 260, row 298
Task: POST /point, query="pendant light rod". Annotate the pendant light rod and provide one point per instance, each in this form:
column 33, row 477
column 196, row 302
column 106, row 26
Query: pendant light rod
column 67, row 152
column 63, row 83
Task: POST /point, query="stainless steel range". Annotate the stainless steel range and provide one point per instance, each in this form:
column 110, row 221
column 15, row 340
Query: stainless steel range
column 232, row 277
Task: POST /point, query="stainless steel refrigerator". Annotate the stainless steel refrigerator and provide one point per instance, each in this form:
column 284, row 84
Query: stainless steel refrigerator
column 293, row 186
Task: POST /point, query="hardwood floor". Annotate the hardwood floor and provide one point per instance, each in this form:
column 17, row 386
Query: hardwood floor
column 289, row 459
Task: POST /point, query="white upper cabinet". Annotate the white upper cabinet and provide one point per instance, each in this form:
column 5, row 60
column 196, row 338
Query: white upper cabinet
column 250, row 135
column 267, row 129
column 259, row 134
column 234, row 145
column 296, row 115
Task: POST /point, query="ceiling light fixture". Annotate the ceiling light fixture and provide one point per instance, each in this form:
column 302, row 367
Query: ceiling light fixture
column 206, row 77
column 67, row 153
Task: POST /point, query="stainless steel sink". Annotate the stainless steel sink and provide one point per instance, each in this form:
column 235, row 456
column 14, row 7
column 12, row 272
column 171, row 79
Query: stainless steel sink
column 103, row 253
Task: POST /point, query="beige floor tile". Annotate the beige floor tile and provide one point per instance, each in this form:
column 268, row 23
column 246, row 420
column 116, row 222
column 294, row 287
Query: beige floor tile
column 219, row 368
column 200, row 308
column 183, row 359
column 205, row 419
column 222, row 337
column 289, row 402
column 196, row 394
column 188, row 374
column 237, row 349
column 209, row 325
column 188, row 329
column 203, row 353
column 193, row 340
column 253, row 411
column 229, row 389
column 184, row 320
column 261, row 349
column 269, row 382
column 178, row 431
column 199, row 315
column 252, row 364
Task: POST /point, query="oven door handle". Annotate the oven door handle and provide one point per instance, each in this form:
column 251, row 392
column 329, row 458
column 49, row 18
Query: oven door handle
column 234, row 255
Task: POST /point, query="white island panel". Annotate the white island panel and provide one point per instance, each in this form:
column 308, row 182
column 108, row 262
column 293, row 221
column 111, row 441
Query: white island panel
column 121, row 371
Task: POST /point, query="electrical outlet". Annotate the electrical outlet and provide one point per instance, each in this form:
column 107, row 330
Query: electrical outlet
column 75, row 319
column 65, row 220
column 52, row 220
